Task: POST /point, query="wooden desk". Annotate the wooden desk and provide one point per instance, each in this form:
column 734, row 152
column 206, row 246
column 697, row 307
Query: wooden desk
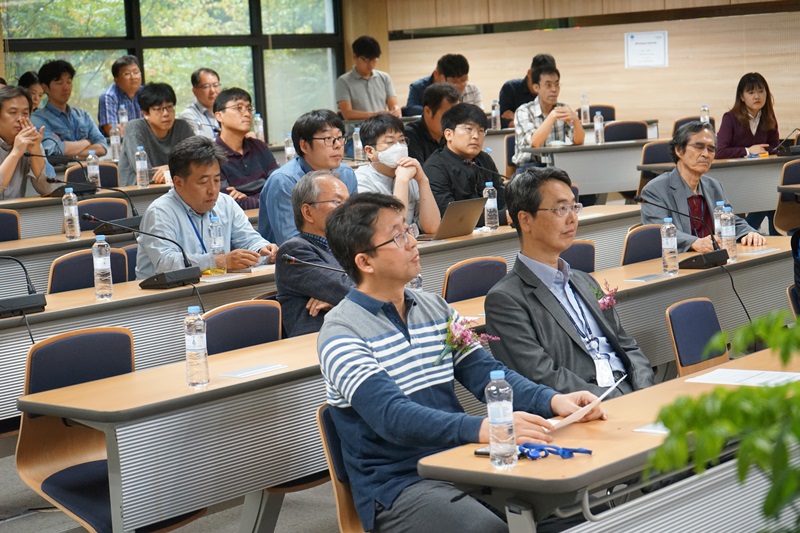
column 598, row 168
column 713, row 499
column 749, row 183
column 172, row 449
column 43, row 216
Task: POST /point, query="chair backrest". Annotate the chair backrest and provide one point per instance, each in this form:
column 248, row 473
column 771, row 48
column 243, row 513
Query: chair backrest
column 75, row 270
column 691, row 324
column 581, row 255
column 641, row 244
column 241, row 324
column 472, row 278
column 131, row 251
column 787, row 214
column 653, row 152
column 609, row 112
column 794, row 299
column 625, row 130
column 509, row 143
column 685, row 120
column 332, row 445
column 9, row 225
column 109, row 174
column 576, row 191
column 102, row 208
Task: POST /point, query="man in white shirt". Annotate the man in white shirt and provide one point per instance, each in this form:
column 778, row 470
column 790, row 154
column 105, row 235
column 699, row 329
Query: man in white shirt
column 200, row 113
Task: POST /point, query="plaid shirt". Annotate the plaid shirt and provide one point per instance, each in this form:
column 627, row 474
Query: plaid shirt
column 527, row 119
column 472, row 95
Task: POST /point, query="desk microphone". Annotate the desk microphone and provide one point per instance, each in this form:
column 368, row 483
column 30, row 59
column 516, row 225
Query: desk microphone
column 106, row 229
column 782, row 149
column 291, row 260
column 31, row 303
column 489, row 170
column 165, row 280
column 199, row 124
column 718, row 257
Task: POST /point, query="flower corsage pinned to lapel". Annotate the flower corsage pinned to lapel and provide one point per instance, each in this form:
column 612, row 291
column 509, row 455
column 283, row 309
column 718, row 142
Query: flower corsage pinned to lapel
column 460, row 336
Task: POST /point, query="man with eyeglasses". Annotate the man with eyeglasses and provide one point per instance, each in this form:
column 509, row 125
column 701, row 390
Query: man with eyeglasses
column 250, row 161
column 205, row 87
column 391, row 171
column 688, row 189
column 545, row 120
column 517, row 92
column 318, row 139
column 306, row 293
column 551, row 327
column 461, row 169
column 391, row 395
column 123, row 90
column 365, row 91
column 157, row 131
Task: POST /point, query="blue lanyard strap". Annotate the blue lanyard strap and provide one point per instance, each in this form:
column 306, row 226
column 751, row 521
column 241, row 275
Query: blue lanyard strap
column 588, row 335
column 196, row 232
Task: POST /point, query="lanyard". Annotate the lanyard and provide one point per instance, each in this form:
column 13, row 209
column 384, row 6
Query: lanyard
column 196, row 232
column 587, row 336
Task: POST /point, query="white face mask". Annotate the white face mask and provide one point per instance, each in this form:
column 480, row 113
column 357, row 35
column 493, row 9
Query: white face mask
column 393, row 154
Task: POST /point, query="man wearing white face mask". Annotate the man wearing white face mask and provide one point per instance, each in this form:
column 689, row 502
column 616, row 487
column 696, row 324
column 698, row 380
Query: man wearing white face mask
column 391, row 171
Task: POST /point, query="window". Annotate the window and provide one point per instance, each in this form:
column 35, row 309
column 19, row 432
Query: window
column 40, row 19
column 195, row 17
column 291, row 16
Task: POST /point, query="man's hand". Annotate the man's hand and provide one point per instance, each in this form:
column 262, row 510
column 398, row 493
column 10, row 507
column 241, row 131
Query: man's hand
column 753, row 239
column 409, row 163
column 238, row 259
column 562, row 113
column 527, row 428
column 757, row 149
column 269, row 250
column 29, row 138
column 566, row 404
column 315, row 306
column 236, row 195
column 396, row 111
column 704, row 245
column 158, row 177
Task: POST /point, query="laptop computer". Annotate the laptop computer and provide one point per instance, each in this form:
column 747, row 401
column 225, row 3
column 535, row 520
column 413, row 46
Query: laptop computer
column 459, row 219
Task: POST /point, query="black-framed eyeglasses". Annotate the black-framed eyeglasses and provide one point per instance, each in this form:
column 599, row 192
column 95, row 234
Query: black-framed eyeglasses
column 241, row 108
column 330, row 141
column 401, row 239
column 563, row 209
column 159, row 109
column 336, row 202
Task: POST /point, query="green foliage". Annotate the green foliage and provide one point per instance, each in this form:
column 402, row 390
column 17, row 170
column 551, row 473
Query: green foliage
column 195, row 17
column 41, row 19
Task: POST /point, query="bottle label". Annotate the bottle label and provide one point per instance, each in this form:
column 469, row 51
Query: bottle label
column 141, row 165
column 491, row 203
column 94, row 170
column 195, row 343
column 728, row 231
column 500, row 412
column 115, row 139
column 669, row 243
column 102, row 263
column 70, row 210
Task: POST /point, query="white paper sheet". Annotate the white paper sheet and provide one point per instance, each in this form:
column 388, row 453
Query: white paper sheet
column 749, row 378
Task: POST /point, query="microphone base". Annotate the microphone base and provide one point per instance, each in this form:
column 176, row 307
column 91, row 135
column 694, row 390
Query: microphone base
column 704, row 261
column 108, row 229
column 794, row 150
column 169, row 280
column 79, row 189
column 19, row 305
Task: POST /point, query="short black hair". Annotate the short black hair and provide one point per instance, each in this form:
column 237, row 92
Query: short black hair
column 681, row 137
column 436, row 93
column 464, row 114
column 28, row 79
column 52, row 70
column 538, row 72
column 367, row 47
column 9, row 92
column 309, row 124
column 452, row 66
column 155, row 94
column 377, row 125
column 541, row 60
column 524, row 192
column 230, row 95
column 196, row 150
column 196, row 75
column 122, row 62
column 351, row 226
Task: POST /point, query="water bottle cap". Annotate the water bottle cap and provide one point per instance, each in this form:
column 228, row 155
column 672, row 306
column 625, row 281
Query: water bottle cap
column 68, row 190
column 91, row 152
column 598, row 113
column 257, row 115
column 122, row 106
column 140, row 148
column 494, row 101
column 583, row 96
column 214, row 218
column 358, row 128
column 100, row 238
column 668, row 220
column 288, row 135
column 728, row 209
column 490, row 184
column 193, row 309
column 497, row 374
column 721, row 202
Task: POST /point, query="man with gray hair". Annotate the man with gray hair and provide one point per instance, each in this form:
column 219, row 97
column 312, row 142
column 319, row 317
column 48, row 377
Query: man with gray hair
column 305, row 291
column 200, row 113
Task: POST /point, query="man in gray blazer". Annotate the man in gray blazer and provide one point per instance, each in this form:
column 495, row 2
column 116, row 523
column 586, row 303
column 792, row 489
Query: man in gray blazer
column 548, row 319
column 687, row 189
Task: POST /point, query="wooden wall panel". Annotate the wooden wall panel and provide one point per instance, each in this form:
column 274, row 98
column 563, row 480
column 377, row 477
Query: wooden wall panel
column 461, row 12
column 514, row 10
column 631, row 6
column 365, row 17
column 410, row 14
column 688, row 4
column 556, row 9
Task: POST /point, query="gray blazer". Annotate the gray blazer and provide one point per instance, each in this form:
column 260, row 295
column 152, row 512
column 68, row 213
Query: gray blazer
column 538, row 340
column 670, row 190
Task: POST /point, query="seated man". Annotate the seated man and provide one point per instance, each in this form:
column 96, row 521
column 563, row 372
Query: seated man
column 551, row 327
column 21, row 154
column 182, row 214
column 205, row 87
column 68, row 130
column 307, row 293
column 391, row 403
column 158, row 132
column 460, row 170
column 520, row 91
column 365, row 91
column 319, row 142
column 391, row 171
column 545, row 119
column 688, row 189
column 424, row 135
column 250, row 161
column 451, row 68
column 127, row 82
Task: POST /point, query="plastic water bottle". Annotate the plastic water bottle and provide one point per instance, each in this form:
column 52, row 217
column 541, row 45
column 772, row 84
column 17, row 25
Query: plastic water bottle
column 93, row 168
column 491, row 218
column 718, row 209
column 495, row 115
column 71, row 225
column 258, row 126
column 704, row 114
column 116, row 144
column 669, row 247
column 358, row 148
column 599, row 135
column 415, row 284
column 288, row 148
column 500, row 405
column 142, row 173
column 217, row 246
column 101, row 257
column 727, row 224
column 122, row 117
column 197, row 127
column 194, row 328
column 584, row 109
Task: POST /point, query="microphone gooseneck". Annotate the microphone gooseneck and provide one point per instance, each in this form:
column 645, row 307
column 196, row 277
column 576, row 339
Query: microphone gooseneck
column 291, row 260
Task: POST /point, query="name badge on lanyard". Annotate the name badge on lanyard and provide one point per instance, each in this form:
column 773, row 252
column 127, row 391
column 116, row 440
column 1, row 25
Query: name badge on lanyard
column 605, row 376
